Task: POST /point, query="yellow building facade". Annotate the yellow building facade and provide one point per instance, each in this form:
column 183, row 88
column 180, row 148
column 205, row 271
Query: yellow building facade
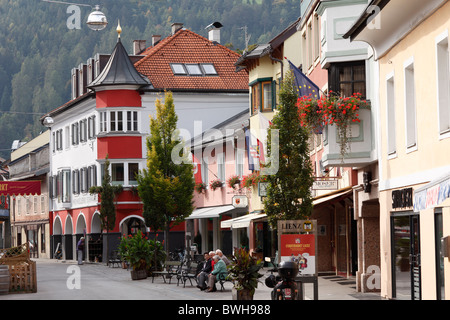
column 410, row 40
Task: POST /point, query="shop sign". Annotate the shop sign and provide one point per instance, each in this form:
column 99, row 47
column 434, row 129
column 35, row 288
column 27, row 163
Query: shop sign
column 10, row 188
column 431, row 196
column 240, row 201
column 325, row 185
column 402, row 198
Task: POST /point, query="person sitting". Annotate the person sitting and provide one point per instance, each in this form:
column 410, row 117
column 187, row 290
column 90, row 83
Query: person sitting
column 220, row 268
column 223, row 257
column 205, row 271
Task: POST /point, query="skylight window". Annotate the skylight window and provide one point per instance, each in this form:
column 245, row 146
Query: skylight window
column 193, row 69
column 209, row 69
column 178, row 68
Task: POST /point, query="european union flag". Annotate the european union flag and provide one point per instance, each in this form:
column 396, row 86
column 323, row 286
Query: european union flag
column 304, row 86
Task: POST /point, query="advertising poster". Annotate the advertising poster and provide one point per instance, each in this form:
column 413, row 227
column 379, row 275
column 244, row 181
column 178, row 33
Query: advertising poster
column 301, row 249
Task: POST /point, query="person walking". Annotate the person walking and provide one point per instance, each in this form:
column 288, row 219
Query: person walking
column 80, row 250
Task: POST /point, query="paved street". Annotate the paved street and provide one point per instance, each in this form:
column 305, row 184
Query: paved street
column 57, row 280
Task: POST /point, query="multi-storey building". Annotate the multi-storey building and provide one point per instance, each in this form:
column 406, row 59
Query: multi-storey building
column 410, row 45
column 113, row 98
column 28, row 213
column 315, row 44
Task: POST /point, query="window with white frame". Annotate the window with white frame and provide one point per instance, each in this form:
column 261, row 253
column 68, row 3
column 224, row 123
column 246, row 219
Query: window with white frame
column 91, row 127
column 204, row 171
column 221, row 166
column 83, row 130
column 122, row 173
column 75, row 133
column 410, row 106
column 239, row 162
column 390, row 115
column 103, row 121
column 132, row 121
column 443, row 82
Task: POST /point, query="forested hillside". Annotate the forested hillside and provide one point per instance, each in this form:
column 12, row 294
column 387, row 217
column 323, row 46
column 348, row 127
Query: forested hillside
column 38, row 50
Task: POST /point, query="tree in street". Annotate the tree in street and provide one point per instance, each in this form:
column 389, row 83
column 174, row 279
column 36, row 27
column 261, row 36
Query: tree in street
column 166, row 186
column 288, row 191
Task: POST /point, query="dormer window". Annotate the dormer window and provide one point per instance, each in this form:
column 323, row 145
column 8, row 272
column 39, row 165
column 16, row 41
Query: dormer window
column 193, row 69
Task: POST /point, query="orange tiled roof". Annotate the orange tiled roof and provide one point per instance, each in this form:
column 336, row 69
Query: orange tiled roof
column 186, row 46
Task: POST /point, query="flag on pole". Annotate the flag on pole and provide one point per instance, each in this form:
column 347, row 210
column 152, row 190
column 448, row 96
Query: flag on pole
column 303, row 84
column 254, row 149
column 264, row 125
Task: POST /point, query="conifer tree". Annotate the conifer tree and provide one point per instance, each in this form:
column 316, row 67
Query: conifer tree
column 166, row 187
column 288, row 191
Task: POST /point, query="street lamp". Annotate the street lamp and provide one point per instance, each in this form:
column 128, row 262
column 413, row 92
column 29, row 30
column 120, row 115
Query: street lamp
column 96, row 20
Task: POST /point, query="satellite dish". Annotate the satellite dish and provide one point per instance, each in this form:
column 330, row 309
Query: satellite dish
column 97, row 20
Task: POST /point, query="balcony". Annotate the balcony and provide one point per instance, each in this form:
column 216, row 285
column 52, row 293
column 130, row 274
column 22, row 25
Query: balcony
column 361, row 151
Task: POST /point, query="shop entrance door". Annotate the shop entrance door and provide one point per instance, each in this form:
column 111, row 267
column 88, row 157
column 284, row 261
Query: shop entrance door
column 405, row 256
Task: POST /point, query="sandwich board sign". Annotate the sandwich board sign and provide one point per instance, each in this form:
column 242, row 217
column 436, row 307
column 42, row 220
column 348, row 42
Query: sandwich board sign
column 297, row 241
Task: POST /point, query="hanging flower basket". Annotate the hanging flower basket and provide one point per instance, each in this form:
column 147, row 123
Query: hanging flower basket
column 215, row 184
column 233, row 182
column 200, row 187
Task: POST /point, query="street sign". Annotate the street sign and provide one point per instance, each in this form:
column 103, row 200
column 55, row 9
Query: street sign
column 325, row 185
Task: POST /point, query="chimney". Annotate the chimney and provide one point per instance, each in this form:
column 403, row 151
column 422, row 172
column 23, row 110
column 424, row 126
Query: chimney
column 214, row 31
column 155, row 39
column 138, row 46
column 176, row 26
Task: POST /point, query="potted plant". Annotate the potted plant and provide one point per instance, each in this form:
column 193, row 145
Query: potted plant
column 136, row 251
column 244, row 272
column 200, row 187
column 157, row 255
column 234, row 181
column 215, row 184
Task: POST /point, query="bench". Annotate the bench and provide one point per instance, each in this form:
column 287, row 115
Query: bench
column 221, row 279
column 170, row 269
column 189, row 273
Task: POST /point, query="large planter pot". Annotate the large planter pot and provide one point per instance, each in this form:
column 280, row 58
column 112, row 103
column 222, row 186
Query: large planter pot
column 4, row 279
column 242, row 294
column 138, row 274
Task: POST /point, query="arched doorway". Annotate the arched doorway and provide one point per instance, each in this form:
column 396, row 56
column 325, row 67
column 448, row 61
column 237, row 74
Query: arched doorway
column 95, row 244
column 68, row 239
column 57, row 236
column 131, row 224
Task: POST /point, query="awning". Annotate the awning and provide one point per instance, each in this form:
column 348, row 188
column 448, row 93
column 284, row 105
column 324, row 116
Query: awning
column 209, row 212
column 432, row 194
column 10, row 188
column 242, row 221
column 333, row 196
